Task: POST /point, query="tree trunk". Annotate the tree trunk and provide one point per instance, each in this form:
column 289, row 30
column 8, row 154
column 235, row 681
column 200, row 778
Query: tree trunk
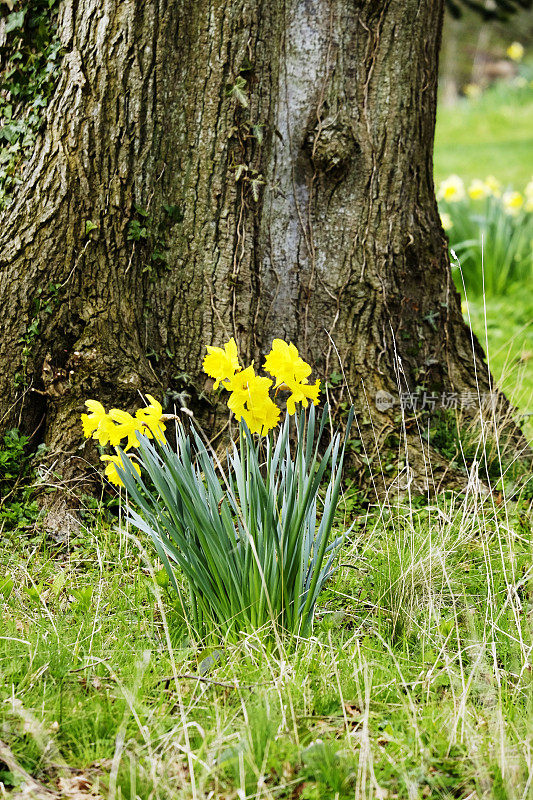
column 256, row 168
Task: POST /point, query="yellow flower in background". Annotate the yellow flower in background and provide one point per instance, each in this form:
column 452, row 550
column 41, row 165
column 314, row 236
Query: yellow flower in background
column 446, row 221
column 515, row 51
column 512, row 202
column 222, row 363
column 285, row 364
column 472, row 91
column 528, row 191
column 452, row 189
column 151, row 418
column 493, row 185
column 478, row 189
column 111, row 469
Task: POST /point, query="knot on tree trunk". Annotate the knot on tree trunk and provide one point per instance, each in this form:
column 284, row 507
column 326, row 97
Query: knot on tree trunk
column 331, row 144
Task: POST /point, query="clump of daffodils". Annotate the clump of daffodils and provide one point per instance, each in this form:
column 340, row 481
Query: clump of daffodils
column 490, row 228
column 113, row 427
column 250, row 398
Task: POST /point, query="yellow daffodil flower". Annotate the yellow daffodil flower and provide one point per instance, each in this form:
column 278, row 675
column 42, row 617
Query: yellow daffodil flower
column 151, row 418
column 515, row 51
column 244, row 385
column 302, row 393
column 478, row 189
column 250, row 400
column 222, row 363
column 111, row 469
column 512, row 203
column 91, row 421
column 452, row 189
column 127, row 426
column 493, row 186
column 285, row 364
column 261, row 414
column 99, row 424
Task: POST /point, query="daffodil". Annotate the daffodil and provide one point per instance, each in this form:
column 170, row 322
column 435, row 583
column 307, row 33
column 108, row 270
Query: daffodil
column 452, row 189
column 493, row 186
column 285, row 364
column 111, row 469
column 302, row 393
column 515, row 51
column 222, row 363
column 152, row 418
column 99, row 424
column 127, row 426
column 250, row 400
column 478, row 189
column 446, row 221
column 261, row 414
column 91, row 421
column 512, row 203
column 244, row 385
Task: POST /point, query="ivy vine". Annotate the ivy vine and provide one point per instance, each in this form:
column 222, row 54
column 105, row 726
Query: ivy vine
column 30, row 56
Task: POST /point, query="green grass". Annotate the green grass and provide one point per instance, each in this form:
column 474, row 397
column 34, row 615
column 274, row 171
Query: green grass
column 416, row 682
column 507, row 337
column 489, row 136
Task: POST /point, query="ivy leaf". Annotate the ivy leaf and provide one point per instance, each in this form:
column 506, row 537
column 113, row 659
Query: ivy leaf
column 238, row 92
column 15, row 20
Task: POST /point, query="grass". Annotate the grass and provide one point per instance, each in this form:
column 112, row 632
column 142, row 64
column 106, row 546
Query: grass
column 507, row 337
column 417, row 680
column 491, row 135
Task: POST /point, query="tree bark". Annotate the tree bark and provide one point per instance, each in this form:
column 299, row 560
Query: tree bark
column 256, row 168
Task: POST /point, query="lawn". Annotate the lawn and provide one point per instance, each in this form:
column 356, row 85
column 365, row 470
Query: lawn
column 492, row 135
column 415, row 683
column 504, row 327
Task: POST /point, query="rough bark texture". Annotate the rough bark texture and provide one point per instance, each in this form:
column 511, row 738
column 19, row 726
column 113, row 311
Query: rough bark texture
column 255, row 168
